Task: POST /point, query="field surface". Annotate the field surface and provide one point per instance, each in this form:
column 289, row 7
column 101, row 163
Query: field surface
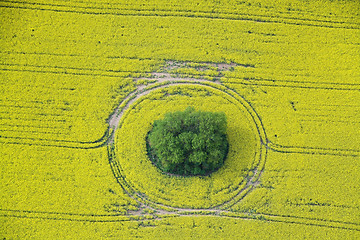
column 82, row 81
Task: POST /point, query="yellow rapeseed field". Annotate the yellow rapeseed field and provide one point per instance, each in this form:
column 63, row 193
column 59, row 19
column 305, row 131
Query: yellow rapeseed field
column 82, row 82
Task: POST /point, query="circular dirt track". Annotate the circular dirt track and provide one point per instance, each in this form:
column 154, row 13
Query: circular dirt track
column 143, row 181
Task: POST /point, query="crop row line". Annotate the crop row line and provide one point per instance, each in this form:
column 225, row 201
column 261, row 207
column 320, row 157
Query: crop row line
column 227, row 80
column 37, row 107
column 33, row 119
column 73, row 55
column 70, row 68
column 64, row 72
column 171, row 13
column 60, row 143
column 188, row 10
column 119, row 218
column 31, row 131
column 293, row 84
column 313, row 150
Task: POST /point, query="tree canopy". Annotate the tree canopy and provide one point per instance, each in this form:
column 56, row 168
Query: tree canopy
column 188, row 142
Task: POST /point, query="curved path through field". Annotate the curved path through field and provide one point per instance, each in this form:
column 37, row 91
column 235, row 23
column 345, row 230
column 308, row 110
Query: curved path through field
column 143, row 90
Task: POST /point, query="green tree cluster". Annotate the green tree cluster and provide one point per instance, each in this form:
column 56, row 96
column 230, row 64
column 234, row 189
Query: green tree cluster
column 189, row 142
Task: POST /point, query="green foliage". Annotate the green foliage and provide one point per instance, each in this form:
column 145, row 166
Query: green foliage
column 189, row 142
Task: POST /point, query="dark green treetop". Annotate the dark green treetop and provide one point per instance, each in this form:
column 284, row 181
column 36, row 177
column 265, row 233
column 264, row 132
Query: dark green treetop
column 189, row 142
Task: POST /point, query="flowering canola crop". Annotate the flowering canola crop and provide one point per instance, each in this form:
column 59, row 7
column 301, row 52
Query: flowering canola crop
column 81, row 82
